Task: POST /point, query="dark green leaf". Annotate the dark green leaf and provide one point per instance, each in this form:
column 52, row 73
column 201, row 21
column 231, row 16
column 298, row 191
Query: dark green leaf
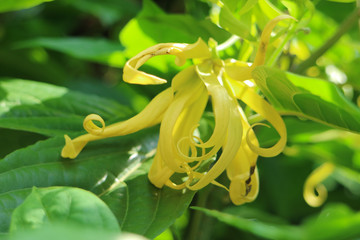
column 91, row 49
column 261, row 229
column 53, row 205
column 50, row 110
column 334, row 222
column 102, row 167
column 144, row 209
column 108, row 11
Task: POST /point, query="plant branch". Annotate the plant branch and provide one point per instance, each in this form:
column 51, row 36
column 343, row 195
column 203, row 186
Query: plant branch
column 343, row 28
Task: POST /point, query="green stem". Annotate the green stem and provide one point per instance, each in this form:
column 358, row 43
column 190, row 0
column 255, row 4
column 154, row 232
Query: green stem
column 228, row 43
column 273, row 58
column 343, row 28
column 195, row 225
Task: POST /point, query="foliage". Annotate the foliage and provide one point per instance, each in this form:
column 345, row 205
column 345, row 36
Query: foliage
column 62, row 60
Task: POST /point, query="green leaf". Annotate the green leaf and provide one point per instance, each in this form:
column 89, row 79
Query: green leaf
column 336, row 221
column 258, row 228
column 50, row 110
column 108, row 168
column 159, row 207
column 310, row 98
column 71, row 232
column 108, row 11
column 234, row 25
column 342, row 1
column 53, row 205
column 91, row 49
column 13, row 5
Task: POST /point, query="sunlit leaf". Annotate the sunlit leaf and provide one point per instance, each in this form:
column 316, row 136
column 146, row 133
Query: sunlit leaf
column 234, row 25
column 13, row 5
column 54, row 205
column 72, row 232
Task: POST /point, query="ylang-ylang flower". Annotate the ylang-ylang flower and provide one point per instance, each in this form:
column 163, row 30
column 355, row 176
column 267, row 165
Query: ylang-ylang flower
column 179, row 108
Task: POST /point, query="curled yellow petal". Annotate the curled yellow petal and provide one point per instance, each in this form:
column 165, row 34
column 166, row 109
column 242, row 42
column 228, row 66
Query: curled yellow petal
column 91, row 127
column 261, row 106
column 149, row 116
column 172, row 127
column 230, row 149
column 313, row 182
column 181, row 50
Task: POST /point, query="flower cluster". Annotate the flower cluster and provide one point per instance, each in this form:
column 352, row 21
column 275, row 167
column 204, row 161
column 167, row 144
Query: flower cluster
column 178, row 109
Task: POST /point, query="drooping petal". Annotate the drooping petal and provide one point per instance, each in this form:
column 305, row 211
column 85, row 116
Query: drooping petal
column 149, row 116
column 261, row 106
column 228, row 127
column 242, row 171
column 241, row 191
column 159, row 173
column 190, row 92
column 233, row 141
column 313, row 182
column 181, row 51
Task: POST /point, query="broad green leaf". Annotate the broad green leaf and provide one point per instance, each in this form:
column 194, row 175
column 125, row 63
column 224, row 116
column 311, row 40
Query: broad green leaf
column 51, row 110
column 71, row 232
column 325, row 104
column 13, row 5
column 108, row 168
column 54, row 205
column 91, row 49
column 144, row 209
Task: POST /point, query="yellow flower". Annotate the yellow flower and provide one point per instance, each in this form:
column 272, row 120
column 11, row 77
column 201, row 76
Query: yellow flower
column 181, row 152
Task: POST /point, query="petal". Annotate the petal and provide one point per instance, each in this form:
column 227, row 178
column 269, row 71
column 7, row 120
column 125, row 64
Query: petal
column 265, row 38
column 181, row 51
column 245, row 158
column 258, row 104
column 172, row 128
column 233, row 142
column 149, row 116
column 313, row 182
column 159, row 174
column 241, row 192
